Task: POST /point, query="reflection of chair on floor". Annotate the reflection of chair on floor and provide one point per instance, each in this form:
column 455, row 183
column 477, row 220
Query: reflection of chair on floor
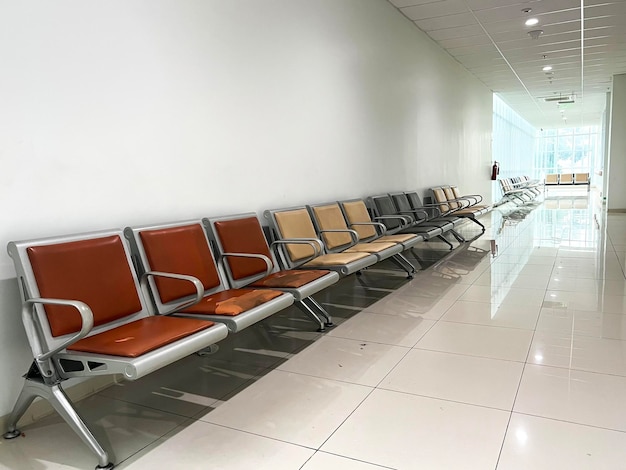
column 296, row 244
column 183, row 247
column 85, row 315
column 332, row 228
column 248, row 261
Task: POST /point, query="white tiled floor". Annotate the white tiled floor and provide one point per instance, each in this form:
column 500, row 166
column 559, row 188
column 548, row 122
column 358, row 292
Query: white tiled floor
column 509, row 353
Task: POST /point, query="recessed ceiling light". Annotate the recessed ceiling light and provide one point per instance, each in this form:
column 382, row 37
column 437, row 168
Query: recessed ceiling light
column 547, row 68
column 531, row 21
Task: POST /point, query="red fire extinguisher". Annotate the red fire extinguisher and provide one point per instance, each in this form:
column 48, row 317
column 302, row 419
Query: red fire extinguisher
column 495, row 171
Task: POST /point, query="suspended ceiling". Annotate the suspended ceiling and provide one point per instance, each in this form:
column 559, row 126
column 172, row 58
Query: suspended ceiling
column 490, row 39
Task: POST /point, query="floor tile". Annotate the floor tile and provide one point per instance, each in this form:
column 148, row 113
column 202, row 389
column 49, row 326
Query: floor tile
column 348, row 360
column 385, row 329
column 269, row 406
column 123, row 428
column 477, row 340
column 324, row 461
column 480, row 313
column 466, row 379
column 411, row 306
column 204, row 445
column 573, row 396
column 545, row 444
column 607, row 356
column 475, row 433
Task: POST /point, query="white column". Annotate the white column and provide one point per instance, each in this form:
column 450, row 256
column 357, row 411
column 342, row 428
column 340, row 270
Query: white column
column 616, row 171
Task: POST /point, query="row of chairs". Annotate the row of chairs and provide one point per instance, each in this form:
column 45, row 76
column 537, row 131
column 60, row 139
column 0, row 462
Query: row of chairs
column 132, row 301
column 568, row 179
column 519, row 190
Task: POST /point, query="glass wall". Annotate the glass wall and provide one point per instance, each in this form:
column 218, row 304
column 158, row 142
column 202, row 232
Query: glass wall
column 567, row 150
column 513, row 144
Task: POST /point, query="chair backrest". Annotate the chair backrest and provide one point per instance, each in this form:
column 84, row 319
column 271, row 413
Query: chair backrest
column 403, row 206
column 566, row 178
column 94, row 268
column 330, row 217
column 177, row 248
column 240, row 233
column 383, row 206
column 439, row 196
column 447, row 190
column 294, row 223
column 552, row 178
column 356, row 212
column 414, row 199
column 581, row 178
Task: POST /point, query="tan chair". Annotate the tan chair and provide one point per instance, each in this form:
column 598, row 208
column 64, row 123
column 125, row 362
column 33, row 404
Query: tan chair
column 566, row 179
column 459, row 208
column 296, row 244
column 358, row 218
column 248, row 261
column 331, row 226
column 552, row 179
column 582, row 178
column 85, row 315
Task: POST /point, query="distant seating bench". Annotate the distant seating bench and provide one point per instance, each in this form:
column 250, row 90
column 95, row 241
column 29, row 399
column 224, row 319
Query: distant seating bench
column 567, row 179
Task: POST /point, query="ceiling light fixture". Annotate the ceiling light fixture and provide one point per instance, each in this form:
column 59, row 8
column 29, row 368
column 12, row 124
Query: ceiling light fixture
column 547, row 68
column 535, row 33
column 531, row 22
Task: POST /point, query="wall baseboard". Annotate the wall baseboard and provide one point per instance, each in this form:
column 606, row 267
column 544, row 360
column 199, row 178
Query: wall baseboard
column 621, row 211
column 41, row 408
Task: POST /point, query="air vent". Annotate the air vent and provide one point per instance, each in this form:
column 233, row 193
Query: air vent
column 552, row 99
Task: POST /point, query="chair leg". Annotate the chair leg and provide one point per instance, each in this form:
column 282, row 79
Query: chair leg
column 477, row 222
column 55, row 395
column 458, row 236
column 442, row 238
column 315, row 306
column 403, row 263
column 309, row 312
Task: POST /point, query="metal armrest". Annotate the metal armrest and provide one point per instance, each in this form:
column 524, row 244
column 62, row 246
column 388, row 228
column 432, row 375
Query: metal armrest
column 181, row 277
column 86, row 315
column 416, row 211
column 429, row 207
column 405, row 221
column 268, row 262
column 353, row 234
column 315, row 243
column 376, row 225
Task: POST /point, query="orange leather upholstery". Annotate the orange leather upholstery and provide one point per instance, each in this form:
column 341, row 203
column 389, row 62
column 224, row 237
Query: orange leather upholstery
column 139, row 337
column 180, row 250
column 232, row 302
column 93, row 271
column 243, row 236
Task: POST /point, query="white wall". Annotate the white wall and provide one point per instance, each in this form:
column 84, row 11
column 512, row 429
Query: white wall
column 129, row 112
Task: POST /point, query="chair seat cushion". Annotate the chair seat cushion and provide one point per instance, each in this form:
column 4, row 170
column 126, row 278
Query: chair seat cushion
column 374, row 247
column 291, row 279
column 232, row 302
column 396, row 238
column 141, row 336
column 334, row 259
